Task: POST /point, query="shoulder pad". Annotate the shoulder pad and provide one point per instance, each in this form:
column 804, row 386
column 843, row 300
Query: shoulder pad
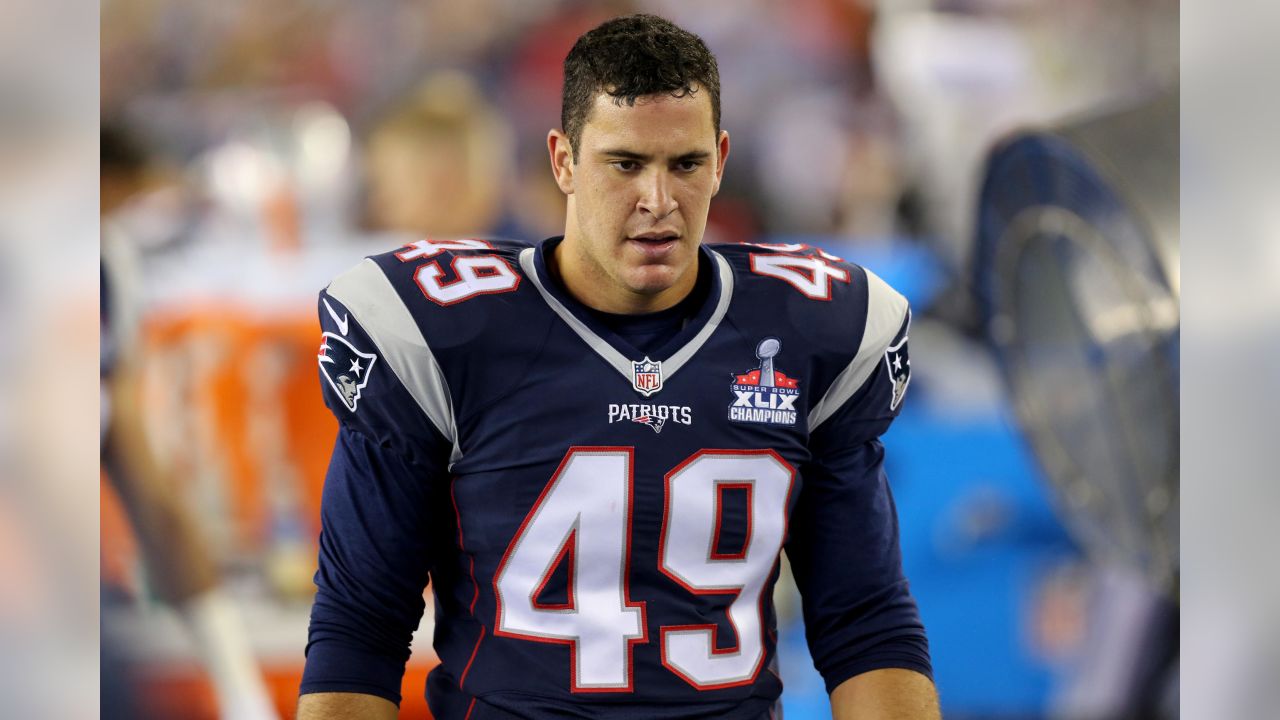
column 429, row 307
column 448, row 272
column 378, row 374
column 847, row 315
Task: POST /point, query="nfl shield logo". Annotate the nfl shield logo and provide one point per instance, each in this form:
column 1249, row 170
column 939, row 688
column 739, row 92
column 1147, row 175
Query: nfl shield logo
column 646, row 376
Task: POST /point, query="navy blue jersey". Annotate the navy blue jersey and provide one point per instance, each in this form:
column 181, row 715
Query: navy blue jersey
column 602, row 526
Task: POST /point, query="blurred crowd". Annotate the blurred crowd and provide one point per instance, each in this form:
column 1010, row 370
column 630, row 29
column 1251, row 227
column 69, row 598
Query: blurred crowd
column 849, row 118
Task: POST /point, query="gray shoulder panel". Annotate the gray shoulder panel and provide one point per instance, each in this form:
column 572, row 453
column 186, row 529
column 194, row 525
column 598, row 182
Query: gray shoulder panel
column 886, row 310
column 368, row 295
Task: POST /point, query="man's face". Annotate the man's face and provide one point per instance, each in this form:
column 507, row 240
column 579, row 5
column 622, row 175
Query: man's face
column 639, row 187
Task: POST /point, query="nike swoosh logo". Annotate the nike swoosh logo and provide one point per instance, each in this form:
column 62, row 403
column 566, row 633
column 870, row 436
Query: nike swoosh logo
column 341, row 321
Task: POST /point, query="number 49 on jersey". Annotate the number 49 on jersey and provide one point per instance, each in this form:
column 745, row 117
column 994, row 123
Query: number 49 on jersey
column 583, row 516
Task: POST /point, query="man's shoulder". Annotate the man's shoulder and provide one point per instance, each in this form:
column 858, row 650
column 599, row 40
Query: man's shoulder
column 834, row 317
column 442, row 294
column 828, row 298
column 448, row 250
column 424, row 275
column 462, row 264
column 399, row 327
column 795, row 270
column 440, row 306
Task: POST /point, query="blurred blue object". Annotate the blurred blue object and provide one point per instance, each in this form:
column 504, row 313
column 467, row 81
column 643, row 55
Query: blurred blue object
column 979, row 536
column 1076, row 276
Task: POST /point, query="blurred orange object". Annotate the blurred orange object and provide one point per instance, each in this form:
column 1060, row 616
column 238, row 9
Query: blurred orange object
column 234, row 408
column 119, row 546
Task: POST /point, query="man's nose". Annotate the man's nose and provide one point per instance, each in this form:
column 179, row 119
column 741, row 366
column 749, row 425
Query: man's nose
column 656, row 198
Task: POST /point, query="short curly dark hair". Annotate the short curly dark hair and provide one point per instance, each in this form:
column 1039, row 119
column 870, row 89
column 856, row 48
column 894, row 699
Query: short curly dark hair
column 633, row 56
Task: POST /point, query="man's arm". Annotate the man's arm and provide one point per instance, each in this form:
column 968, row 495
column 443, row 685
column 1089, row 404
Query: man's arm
column 343, row 706
column 859, row 615
column 888, row 694
column 378, row 526
column 863, row 626
column 384, row 515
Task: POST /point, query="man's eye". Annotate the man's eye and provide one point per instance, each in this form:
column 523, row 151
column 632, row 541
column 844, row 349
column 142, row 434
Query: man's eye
column 626, row 165
column 688, row 165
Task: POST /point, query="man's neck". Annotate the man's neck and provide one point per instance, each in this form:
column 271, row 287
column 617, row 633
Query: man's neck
column 584, row 280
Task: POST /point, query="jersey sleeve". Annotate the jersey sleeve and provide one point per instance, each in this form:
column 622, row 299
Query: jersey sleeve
column 383, row 509
column 868, row 392
column 843, row 546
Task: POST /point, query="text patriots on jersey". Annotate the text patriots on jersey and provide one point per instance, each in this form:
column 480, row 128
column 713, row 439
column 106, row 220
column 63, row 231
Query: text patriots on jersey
column 765, row 395
column 655, row 416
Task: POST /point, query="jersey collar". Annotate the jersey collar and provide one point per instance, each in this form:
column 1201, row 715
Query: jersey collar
column 608, row 345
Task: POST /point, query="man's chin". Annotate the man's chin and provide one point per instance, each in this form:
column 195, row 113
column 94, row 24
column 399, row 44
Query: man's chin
column 652, row 280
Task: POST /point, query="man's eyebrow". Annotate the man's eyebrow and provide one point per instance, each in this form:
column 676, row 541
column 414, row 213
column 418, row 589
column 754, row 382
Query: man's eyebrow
column 624, row 154
column 700, row 155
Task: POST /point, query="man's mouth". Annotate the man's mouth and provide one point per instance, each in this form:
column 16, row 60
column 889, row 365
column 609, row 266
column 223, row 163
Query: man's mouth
column 654, row 245
column 655, row 238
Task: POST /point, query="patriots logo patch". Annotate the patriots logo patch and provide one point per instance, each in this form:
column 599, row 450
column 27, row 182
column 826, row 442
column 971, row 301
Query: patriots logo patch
column 346, row 368
column 899, row 371
column 652, row 421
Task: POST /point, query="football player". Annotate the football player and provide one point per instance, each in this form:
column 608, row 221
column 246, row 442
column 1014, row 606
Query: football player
column 597, row 447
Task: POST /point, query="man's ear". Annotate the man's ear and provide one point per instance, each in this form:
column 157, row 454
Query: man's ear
column 561, row 160
column 722, row 152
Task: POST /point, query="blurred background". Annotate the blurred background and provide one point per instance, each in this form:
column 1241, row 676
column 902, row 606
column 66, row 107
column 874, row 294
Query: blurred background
column 1009, row 165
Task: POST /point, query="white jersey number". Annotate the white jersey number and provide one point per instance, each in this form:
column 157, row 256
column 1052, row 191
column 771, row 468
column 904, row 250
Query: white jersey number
column 477, row 275
column 583, row 517
column 810, row 275
column 688, row 555
column 422, row 249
